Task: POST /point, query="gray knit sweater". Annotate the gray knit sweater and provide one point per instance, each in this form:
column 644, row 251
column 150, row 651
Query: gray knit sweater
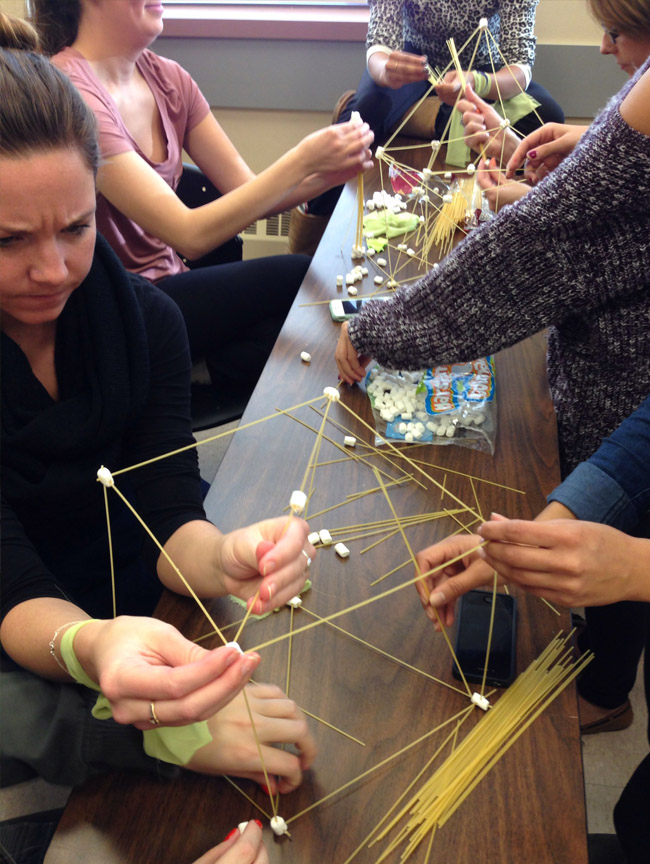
column 573, row 256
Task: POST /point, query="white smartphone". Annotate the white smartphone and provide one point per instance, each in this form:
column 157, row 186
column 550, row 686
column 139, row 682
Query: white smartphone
column 341, row 310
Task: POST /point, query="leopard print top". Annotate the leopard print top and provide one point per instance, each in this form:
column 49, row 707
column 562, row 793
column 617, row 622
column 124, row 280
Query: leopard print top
column 427, row 24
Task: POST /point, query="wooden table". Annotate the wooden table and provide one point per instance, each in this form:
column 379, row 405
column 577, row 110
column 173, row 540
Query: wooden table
column 530, row 807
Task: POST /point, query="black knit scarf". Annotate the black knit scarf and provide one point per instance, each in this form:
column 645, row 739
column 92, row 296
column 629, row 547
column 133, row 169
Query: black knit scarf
column 49, row 449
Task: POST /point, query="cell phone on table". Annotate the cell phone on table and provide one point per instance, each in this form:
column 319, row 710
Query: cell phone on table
column 341, row 310
column 472, row 629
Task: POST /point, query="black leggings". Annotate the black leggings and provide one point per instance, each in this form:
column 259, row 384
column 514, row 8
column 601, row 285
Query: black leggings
column 234, row 312
column 382, row 108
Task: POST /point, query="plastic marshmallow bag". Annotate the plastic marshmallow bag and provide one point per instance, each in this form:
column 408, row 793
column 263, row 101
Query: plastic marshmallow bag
column 453, row 404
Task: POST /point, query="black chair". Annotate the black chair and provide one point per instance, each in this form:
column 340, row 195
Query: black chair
column 211, row 406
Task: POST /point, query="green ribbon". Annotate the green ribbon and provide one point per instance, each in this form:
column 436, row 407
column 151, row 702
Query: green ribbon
column 458, row 153
column 173, row 744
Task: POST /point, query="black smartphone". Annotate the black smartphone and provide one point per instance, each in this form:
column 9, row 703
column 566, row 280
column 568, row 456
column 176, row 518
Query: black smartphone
column 472, row 629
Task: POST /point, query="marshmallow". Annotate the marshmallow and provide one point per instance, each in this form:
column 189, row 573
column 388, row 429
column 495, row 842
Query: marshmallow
column 342, row 550
column 297, row 501
column 481, row 701
column 234, row 645
column 305, row 356
column 105, row 477
column 325, row 537
column 332, row 393
column 278, row 826
column 349, row 440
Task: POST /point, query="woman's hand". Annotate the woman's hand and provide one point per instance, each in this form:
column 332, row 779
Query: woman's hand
column 233, row 749
column 439, row 591
column 498, row 190
column 544, row 149
column 450, row 87
column 137, row 661
column 569, row 562
column 239, row 848
column 271, row 557
column 398, row 68
column 482, row 125
column 342, row 147
column 351, row 366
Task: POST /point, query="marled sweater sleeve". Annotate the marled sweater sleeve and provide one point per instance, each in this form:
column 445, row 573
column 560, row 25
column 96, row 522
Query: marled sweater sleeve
column 576, row 242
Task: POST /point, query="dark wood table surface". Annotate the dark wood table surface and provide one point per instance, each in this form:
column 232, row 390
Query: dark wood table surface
column 530, row 807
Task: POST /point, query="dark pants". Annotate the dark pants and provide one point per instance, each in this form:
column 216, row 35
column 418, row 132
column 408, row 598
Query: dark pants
column 632, row 816
column 234, row 312
column 382, row 108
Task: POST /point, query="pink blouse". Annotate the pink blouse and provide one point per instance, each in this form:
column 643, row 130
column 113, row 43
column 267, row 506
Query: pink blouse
column 182, row 106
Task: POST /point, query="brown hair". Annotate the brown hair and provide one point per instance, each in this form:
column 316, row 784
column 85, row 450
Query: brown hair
column 631, row 17
column 57, row 22
column 41, row 110
column 16, row 33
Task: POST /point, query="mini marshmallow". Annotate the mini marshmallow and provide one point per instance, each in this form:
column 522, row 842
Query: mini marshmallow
column 481, row 701
column 504, row 123
column 364, row 271
column 448, row 175
column 371, row 252
column 435, row 145
column 353, row 290
column 392, row 283
column 295, row 602
column 339, row 280
column 349, row 278
column 410, row 252
column 447, row 198
column 402, row 247
column 342, row 550
column 278, row 826
column 409, row 437
column 349, row 440
column 379, row 280
column 105, row 477
column 471, row 168
column 427, row 173
column 313, row 538
column 297, row 501
column 483, row 24
column 379, row 152
column 381, row 262
column 332, row 393
column 325, row 537
column 234, row 645
column 305, row 356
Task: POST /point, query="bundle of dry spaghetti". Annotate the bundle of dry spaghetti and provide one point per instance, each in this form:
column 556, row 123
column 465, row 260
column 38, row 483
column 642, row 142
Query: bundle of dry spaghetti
column 452, row 214
column 516, row 709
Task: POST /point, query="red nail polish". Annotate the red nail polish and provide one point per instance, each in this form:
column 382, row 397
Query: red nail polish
column 257, row 822
column 232, row 834
column 532, row 154
column 265, row 790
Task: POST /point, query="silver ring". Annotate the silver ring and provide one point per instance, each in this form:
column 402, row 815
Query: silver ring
column 308, row 565
column 153, row 718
